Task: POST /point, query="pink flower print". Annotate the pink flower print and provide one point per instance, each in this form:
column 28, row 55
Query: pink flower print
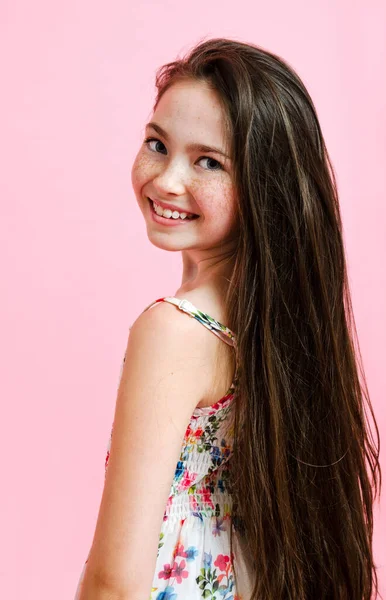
column 166, row 573
column 221, row 562
column 179, row 550
column 178, row 571
column 206, row 496
column 193, row 503
column 167, row 508
column 186, row 481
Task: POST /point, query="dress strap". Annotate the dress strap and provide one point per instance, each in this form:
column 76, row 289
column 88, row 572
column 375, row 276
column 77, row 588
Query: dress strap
column 222, row 331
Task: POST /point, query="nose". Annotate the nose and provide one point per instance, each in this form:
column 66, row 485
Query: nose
column 170, row 181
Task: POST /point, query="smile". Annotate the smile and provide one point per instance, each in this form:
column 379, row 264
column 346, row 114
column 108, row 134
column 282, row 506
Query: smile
column 169, row 217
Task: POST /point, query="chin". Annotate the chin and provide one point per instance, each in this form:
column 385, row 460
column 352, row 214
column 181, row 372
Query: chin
column 167, row 244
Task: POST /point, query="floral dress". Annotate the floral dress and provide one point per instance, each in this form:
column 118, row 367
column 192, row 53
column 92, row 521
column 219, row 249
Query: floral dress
column 194, row 559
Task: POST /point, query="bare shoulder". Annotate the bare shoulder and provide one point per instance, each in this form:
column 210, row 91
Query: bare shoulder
column 175, row 347
column 189, row 345
column 165, row 323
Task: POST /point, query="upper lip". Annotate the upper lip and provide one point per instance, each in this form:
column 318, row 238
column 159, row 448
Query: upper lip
column 172, row 206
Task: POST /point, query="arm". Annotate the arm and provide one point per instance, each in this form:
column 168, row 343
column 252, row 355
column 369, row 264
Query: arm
column 158, row 392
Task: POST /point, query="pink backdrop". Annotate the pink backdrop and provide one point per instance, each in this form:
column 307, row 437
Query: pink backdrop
column 77, row 83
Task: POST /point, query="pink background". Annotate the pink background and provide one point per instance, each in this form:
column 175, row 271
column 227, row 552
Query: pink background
column 77, row 84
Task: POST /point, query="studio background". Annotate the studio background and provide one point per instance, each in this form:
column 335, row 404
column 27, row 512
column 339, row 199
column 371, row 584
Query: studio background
column 77, row 86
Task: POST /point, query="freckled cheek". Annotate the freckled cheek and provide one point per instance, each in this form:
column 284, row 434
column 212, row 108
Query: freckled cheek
column 141, row 172
column 216, row 199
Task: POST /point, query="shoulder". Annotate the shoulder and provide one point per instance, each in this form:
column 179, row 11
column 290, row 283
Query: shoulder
column 165, row 324
column 168, row 348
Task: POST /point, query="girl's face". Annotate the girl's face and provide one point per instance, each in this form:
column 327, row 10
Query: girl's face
column 173, row 169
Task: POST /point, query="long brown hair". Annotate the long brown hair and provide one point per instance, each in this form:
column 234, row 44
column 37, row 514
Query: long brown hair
column 301, row 489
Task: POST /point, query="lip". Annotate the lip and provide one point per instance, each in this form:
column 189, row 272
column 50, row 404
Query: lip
column 167, row 222
column 171, row 206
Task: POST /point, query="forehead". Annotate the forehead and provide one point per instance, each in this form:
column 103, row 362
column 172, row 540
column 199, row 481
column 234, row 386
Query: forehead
column 193, row 110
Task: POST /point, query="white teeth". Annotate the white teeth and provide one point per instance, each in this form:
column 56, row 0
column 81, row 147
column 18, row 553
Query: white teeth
column 168, row 214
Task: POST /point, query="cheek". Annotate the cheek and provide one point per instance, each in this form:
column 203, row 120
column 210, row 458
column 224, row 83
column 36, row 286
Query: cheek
column 217, row 199
column 140, row 171
column 224, row 211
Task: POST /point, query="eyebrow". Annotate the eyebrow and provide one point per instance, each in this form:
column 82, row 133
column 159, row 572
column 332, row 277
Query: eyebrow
column 197, row 147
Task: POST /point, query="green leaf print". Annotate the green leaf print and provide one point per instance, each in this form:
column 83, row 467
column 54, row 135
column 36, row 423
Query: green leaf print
column 160, row 543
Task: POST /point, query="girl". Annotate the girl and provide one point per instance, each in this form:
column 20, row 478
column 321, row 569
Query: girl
column 237, row 464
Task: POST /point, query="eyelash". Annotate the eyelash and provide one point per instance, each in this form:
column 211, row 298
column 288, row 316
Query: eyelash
column 152, row 139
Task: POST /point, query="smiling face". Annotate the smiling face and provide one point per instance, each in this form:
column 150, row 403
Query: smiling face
column 172, row 168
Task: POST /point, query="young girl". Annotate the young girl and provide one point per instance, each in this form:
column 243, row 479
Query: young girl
column 238, row 459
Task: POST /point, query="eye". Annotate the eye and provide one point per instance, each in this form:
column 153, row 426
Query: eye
column 218, row 165
column 148, row 140
column 218, row 168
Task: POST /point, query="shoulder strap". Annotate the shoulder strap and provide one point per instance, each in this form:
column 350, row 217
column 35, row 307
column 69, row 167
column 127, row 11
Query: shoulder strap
column 223, row 332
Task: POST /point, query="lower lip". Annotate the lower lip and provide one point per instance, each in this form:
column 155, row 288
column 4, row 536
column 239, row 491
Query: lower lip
column 168, row 222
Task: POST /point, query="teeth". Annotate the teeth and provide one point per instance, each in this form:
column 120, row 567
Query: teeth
column 169, row 214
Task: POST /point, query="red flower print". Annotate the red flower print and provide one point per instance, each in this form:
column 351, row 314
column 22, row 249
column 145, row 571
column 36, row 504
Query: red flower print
column 178, row 571
column 221, row 562
column 166, row 573
column 206, row 496
column 198, row 432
